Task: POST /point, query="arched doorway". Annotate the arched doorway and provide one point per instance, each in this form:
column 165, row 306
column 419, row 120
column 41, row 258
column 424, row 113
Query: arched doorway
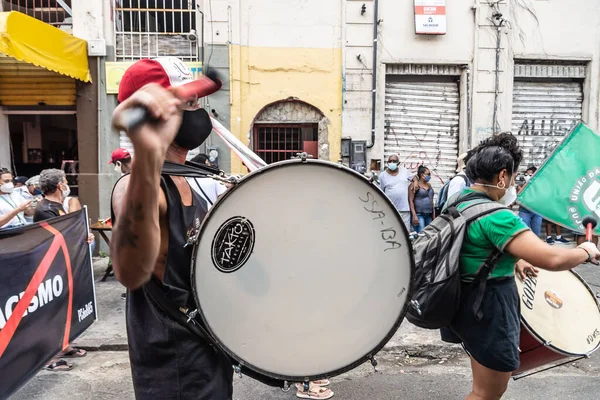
column 285, row 128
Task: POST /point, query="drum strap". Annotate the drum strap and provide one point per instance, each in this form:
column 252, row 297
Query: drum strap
column 177, row 314
column 481, row 281
column 154, row 292
column 189, row 169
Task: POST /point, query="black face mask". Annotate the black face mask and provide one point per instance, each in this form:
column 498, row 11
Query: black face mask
column 195, row 128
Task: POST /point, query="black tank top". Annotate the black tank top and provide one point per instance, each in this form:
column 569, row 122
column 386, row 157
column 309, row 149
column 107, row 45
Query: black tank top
column 167, row 360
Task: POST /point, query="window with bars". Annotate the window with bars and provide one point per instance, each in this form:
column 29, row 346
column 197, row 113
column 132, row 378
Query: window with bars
column 153, row 28
column 53, row 12
column 282, row 142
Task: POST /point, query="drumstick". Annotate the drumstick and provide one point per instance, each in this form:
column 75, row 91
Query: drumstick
column 589, row 223
column 202, row 87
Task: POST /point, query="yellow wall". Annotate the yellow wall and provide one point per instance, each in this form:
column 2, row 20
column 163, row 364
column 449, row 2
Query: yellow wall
column 260, row 76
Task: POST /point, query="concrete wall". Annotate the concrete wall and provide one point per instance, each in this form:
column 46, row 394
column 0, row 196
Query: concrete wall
column 218, row 104
column 538, row 30
column 278, row 51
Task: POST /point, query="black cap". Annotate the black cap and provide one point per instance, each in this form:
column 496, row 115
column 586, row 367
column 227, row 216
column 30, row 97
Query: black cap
column 20, row 179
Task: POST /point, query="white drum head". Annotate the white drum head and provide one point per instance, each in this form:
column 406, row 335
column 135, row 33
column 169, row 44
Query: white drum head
column 303, row 270
column 559, row 308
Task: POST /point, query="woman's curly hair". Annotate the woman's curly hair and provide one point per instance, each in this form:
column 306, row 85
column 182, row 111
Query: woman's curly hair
column 491, row 156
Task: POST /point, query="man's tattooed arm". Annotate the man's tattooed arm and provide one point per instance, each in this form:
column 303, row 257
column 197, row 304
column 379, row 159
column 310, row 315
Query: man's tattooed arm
column 135, row 240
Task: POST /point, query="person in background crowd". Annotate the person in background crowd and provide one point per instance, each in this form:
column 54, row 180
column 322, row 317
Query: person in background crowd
column 531, row 219
column 460, row 180
column 559, row 237
column 207, row 188
column 394, row 182
column 122, row 160
column 13, row 207
column 420, row 199
column 202, row 159
column 20, row 181
column 53, row 183
column 33, row 186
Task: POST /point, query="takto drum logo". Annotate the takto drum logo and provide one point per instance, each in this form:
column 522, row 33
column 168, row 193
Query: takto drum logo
column 233, row 244
column 585, row 196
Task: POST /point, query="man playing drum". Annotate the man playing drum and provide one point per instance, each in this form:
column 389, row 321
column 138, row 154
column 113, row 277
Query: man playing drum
column 155, row 217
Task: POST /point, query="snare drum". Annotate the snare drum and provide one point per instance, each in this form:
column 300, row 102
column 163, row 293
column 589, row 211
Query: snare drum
column 560, row 318
column 302, row 270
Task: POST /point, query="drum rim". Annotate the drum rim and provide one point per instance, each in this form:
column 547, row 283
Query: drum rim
column 370, row 355
column 541, row 340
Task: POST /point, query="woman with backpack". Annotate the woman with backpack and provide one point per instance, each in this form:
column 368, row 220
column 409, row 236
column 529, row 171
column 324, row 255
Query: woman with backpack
column 489, row 327
column 420, row 199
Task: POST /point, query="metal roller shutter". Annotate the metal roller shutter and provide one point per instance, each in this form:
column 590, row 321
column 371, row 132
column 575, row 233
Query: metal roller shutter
column 422, row 120
column 23, row 84
column 543, row 113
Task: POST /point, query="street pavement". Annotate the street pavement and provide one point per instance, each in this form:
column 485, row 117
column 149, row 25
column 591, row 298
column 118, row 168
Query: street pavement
column 414, row 365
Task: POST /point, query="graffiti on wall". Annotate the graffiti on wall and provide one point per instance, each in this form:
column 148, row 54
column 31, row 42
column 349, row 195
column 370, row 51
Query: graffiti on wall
column 538, row 138
column 427, row 152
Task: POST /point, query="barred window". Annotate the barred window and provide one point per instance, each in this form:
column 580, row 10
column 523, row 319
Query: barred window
column 53, row 12
column 153, row 28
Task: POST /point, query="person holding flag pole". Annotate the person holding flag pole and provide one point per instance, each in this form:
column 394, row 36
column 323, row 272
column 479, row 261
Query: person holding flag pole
column 488, row 320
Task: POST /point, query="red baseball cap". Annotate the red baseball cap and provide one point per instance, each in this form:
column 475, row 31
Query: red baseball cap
column 166, row 71
column 119, row 154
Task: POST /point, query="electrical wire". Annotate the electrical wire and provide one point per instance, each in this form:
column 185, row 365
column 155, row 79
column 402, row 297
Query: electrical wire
column 212, row 34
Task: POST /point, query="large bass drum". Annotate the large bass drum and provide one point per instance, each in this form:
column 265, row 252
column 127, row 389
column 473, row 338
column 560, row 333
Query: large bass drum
column 302, row 271
column 560, row 320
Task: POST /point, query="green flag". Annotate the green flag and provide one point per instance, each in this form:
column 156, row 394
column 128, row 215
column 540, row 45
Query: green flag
column 566, row 188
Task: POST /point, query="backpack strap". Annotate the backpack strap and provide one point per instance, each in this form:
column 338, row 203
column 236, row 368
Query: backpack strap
column 480, row 207
column 481, row 281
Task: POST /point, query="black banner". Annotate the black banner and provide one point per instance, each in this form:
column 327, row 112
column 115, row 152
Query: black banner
column 47, row 294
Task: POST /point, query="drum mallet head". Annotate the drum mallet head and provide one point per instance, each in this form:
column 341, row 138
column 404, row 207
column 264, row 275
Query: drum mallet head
column 589, row 223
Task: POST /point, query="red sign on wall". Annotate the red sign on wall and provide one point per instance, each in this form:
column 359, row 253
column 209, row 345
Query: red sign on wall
column 430, row 17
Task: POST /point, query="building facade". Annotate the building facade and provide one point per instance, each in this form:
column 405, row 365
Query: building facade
column 344, row 80
column 530, row 67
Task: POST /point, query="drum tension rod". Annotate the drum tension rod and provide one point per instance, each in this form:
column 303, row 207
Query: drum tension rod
column 191, row 315
column 373, row 362
column 238, row 370
column 286, row 386
column 303, row 156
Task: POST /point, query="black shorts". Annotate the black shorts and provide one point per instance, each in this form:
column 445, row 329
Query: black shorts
column 492, row 341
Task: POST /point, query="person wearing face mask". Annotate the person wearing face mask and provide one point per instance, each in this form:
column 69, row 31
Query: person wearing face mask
column 492, row 337
column 121, row 158
column 54, row 186
column 33, row 187
column 14, row 209
column 394, row 182
column 531, row 219
column 154, row 214
column 420, row 199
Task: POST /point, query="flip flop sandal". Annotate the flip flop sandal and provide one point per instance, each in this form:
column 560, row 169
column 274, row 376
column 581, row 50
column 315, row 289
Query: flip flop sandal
column 315, row 392
column 60, row 365
column 321, row 382
column 74, row 353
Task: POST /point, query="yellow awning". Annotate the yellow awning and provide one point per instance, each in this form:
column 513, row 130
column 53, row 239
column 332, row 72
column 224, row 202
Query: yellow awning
column 35, row 42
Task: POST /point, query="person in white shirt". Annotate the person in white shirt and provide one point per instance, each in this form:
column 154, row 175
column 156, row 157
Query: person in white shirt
column 13, row 207
column 208, row 188
column 460, row 180
column 394, row 182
